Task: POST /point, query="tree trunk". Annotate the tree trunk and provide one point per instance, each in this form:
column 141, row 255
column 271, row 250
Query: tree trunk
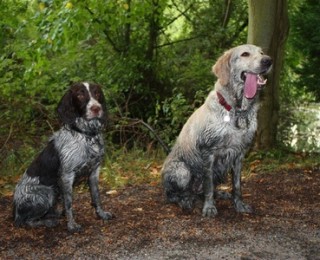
column 268, row 28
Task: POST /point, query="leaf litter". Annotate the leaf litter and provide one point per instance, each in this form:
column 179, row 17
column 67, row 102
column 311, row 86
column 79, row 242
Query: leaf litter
column 285, row 225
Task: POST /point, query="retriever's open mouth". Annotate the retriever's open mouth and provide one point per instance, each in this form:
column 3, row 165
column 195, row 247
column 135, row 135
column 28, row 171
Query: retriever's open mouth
column 252, row 82
column 261, row 80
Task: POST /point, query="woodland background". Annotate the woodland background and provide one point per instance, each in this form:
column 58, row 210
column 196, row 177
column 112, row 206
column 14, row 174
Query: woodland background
column 154, row 60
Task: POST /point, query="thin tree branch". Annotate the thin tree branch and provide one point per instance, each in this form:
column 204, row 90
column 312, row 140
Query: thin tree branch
column 227, row 14
column 8, row 138
column 178, row 41
column 135, row 121
column 182, row 13
column 127, row 32
column 236, row 35
column 105, row 31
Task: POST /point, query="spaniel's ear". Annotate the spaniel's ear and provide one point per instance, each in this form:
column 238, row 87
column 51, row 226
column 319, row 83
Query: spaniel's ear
column 222, row 68
column 66, row 109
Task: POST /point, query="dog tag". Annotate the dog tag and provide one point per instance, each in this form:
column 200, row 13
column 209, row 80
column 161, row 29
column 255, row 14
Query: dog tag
column 226, row 117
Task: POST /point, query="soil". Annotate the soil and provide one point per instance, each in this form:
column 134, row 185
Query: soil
column 285, row 225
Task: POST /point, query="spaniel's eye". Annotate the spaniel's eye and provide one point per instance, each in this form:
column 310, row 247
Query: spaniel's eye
column 97, row 95
column 261, row 53
column 80, row 96
column 245, row 54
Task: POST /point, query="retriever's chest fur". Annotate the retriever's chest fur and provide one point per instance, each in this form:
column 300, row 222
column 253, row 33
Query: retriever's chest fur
column 207, row 136
column 228, row 149
column 209, row 132
column 221, row 135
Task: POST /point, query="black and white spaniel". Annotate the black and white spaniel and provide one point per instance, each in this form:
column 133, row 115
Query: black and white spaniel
column 73, row 153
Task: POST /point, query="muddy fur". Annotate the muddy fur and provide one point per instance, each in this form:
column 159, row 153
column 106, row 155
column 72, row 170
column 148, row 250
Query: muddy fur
column 214, row 141
column 72, row 154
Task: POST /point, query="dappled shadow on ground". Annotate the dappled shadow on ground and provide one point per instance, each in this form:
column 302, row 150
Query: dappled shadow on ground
column 285, row 225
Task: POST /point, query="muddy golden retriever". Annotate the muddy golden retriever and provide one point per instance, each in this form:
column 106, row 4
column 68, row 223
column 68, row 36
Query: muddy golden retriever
column 214, row 140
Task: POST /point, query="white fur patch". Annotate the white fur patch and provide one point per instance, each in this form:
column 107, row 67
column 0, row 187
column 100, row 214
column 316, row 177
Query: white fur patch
column 92, row 102
column 86, row 84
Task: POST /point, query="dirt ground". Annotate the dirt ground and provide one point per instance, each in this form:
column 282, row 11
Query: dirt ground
column 285, row 225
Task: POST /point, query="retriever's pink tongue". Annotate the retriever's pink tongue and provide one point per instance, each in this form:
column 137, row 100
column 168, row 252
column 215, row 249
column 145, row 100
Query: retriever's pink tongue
column 250, row 85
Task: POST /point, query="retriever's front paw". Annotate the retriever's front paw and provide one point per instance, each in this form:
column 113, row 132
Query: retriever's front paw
column 209, row 211
column 104, row 215
column 242, row 207
column 186, row 203
column 73, row 227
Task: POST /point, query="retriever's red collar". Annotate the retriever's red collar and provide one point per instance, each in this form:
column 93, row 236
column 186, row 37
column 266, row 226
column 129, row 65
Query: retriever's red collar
column 223, row 102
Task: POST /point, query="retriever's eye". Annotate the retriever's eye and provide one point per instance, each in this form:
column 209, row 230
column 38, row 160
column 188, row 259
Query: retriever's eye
column 261, row 52
column 245, row 54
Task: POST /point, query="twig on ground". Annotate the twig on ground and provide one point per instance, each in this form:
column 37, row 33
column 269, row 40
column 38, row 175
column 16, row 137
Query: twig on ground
column 8, row 138
column 135, row 121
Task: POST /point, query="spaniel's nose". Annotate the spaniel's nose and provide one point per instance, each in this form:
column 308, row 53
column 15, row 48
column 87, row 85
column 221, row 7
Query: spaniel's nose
column 95, row 109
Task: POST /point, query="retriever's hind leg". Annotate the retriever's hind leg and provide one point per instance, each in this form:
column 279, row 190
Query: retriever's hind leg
column 176, row 183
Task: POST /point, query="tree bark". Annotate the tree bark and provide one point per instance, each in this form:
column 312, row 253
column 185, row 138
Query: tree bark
column 268, row 28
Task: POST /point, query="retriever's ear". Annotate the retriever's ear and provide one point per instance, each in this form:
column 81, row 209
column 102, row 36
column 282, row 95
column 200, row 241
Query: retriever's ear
column 66, row 110
column 222, row 68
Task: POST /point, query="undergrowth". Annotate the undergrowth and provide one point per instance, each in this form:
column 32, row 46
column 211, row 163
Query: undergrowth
column 277, row 160
column 136, row 166
column 122, row 167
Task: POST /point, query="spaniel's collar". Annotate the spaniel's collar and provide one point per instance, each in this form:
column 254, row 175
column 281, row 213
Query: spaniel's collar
column 90, row 134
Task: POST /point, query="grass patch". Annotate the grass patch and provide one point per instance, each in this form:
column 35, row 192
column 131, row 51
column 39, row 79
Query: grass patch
column 258, row 162
column 123, row 168
column 13, row 164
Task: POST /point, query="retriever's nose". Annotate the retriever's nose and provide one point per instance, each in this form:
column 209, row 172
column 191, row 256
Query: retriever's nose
column 266, row 61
